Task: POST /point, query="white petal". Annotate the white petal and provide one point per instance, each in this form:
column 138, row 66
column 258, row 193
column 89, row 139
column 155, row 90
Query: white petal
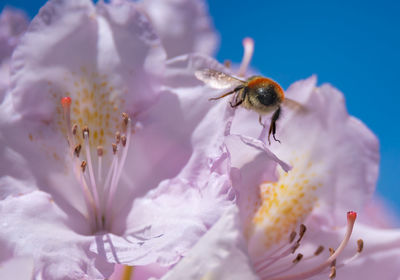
column 220, row 254
column 17, row 268
column 339, row 151
column 32, row 225
column 13, row 24
column 183, row 25
column 162, row 227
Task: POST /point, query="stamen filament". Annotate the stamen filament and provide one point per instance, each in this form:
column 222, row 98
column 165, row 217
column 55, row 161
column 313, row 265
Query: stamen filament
column 125, row 147
column 90, row 166
column 111, row 171
column 87, row 195
column 289, row 249
column 112, row 190
column 295, row 261
column 113, row 185
column 274, row 260
column 351, row 217
column 98, row 195
column 276, row 251
column 119, row 165
column 360, row 246
column 99, row 166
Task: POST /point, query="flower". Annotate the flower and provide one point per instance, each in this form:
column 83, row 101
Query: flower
column 89, row 148
column 334, row 160
column 13, row 24
column 378, row 258
column 321, row 183
column 206, row 126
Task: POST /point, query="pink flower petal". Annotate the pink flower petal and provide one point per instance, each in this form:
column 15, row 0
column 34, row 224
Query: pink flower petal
column 76, row 49
column 339, row 152
column 13, row 24
column 183, row 25
column 47, row 237
column 161, row 226
column 86, row 53
column 17, row 268
column 219, row 254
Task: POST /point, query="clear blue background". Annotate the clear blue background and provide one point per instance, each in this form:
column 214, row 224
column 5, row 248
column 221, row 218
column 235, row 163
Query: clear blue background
column 354, row 45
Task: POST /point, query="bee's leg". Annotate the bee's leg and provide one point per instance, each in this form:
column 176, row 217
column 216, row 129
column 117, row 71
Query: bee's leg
column 237, row 103
column 238, row 100
column 226, row 94
column 260, row 121
column 272, row 127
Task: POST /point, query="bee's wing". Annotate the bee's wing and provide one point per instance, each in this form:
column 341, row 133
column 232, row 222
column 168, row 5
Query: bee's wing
column 294, row 105
column 217, row 79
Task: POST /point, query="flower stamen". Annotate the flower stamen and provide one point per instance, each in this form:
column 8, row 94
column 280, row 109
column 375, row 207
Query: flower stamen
column 77, row 150
column 331, row 261
column 332, row 275
column 83, row 166
column 74, row 129
column 92, row 180
column 298, row 258
column 117, row 137
column 248, row 45
column 118, row 166
column 360, row 247
column 319, row 250
column 98, row 193
column 292, row 236
column 282, row 251
column 100, row 153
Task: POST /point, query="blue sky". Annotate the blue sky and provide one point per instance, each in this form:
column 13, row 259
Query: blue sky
column 354, row 45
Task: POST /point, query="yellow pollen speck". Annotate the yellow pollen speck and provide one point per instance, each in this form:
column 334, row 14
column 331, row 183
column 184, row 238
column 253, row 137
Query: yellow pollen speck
column 30, row 137
column 284, row 204
column 91, row 106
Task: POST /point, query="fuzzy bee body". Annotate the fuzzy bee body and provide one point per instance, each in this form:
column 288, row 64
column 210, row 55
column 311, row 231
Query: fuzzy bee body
column 261, row 94
column 257, row 93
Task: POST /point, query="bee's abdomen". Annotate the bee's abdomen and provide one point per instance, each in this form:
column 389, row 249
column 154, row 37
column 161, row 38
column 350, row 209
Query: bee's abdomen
column 268, row 92
column 268, row 95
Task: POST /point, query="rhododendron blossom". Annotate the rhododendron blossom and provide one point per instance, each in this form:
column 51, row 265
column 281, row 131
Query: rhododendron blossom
column 115, row 160
column 84, row 143
column 290, row 219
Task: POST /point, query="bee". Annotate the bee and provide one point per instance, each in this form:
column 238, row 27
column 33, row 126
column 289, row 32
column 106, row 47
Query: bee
column 257, row 93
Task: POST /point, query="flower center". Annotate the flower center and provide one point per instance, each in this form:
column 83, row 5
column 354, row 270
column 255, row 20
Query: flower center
column 97, row 168
column 283, row 204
